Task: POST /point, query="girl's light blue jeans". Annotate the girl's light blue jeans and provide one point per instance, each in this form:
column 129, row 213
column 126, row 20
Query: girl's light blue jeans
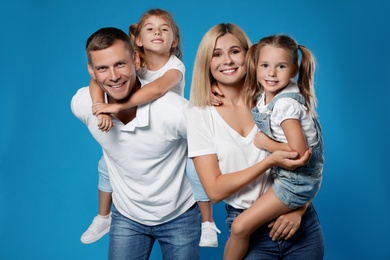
column 178, row 238
column 104, row 181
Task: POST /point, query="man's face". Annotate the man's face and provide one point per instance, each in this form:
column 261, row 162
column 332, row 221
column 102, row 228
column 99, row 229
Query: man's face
column 114, row 70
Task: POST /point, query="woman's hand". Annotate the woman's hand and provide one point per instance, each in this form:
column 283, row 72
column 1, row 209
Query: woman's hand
column 288, row 160
column 285, row 226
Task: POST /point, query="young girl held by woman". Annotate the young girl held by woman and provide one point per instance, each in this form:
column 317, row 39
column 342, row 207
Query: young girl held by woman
column 285, row 114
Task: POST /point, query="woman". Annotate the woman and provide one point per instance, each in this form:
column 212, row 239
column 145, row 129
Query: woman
column 221, row 145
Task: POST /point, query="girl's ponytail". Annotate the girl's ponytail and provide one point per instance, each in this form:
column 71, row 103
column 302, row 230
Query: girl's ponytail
column 306, row 78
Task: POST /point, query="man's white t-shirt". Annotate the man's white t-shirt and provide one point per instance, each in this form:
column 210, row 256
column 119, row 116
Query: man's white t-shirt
column 146, row 158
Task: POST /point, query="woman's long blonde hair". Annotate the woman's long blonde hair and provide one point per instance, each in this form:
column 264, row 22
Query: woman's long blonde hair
column 201, row 75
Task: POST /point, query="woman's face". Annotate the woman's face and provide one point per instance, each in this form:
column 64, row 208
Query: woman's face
column 227, row 65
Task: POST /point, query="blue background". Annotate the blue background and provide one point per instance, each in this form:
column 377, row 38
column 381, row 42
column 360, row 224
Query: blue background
column 48, row 159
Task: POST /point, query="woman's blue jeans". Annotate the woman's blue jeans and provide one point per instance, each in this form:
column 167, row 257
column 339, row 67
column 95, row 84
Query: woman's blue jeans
column 178, row 238
column 307, row 243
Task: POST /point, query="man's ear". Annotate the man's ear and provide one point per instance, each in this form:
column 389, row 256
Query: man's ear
column 91, row 71
column 137, row 41
column 137, row 60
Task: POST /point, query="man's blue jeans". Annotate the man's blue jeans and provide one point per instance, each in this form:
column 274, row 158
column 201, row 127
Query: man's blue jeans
column 178, row 238
column 307, row 243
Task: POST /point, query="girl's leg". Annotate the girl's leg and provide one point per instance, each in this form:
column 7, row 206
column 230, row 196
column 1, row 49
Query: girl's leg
column 105, row 189
column 206, row 210
column 209, row 236
column 101, row 223
column 265, row 209
column 105, row 201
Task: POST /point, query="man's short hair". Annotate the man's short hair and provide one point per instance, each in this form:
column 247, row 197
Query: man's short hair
column 105, row 38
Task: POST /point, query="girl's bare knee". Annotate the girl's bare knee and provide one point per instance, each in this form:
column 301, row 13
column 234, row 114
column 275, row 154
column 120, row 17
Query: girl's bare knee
column 239, row 229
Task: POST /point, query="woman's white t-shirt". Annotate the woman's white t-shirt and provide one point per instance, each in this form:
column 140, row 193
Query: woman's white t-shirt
column 208, row 133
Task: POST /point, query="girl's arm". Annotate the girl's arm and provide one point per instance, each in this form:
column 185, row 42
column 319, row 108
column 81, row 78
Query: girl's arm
column 285, row 226
column 262, row 141
column 147, row 93
column 97, row 95
column 294, row 134
column 219, row 186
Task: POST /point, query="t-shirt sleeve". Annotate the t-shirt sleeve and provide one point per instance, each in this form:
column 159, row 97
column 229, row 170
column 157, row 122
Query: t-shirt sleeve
column 182, row 126
column 286, row 108
column 177, row 64
column 200, row 134
column 81, row 104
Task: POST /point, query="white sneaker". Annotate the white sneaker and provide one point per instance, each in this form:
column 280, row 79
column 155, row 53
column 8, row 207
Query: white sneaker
column 209, row 235
column 99, row 227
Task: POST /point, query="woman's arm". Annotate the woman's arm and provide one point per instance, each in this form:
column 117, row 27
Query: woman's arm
column 219, row 186
column 147, row 93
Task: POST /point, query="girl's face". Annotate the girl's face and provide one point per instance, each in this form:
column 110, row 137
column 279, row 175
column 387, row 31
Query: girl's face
column 227, row 65
column 156, row 35
column 274, row 69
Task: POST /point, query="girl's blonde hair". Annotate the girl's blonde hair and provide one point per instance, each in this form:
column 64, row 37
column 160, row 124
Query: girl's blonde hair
column 202, row 79
column 305, row 69
column 135, row 29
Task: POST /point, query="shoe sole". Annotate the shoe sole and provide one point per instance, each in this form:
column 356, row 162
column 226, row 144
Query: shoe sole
column 99, row 236
column 208, row 245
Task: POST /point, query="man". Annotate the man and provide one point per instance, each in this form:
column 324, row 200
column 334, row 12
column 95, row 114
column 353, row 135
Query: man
column 145, row 153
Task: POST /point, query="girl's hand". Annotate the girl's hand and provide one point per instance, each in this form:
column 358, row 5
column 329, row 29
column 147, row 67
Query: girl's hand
column 285, row 226
column 288, row 160
column 99, row 108
column 215, row 92
column 105, row 122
